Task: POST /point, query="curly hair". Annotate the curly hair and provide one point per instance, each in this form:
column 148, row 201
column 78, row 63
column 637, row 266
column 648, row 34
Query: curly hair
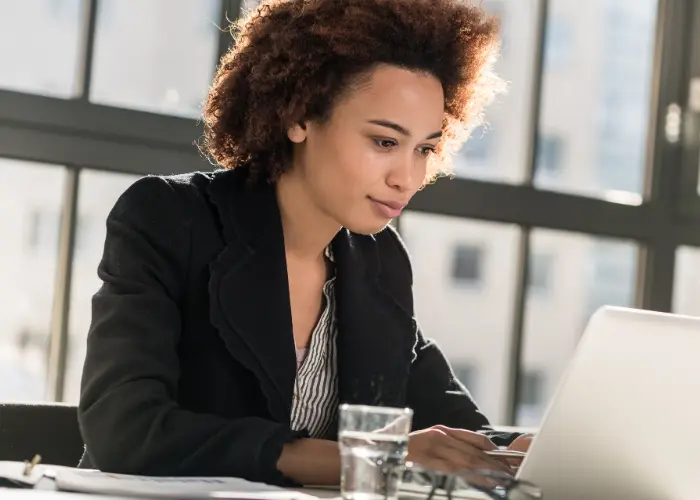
column 292, row 59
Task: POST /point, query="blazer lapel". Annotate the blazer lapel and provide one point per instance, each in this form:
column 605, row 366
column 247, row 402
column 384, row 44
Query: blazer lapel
column 375, row 334
column 248, row 288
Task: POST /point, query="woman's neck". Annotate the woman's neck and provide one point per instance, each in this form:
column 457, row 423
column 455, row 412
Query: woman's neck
column 307, row 229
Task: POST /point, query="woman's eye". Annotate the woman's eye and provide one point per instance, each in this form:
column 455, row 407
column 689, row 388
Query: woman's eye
column 385, row 143
column 426, row 150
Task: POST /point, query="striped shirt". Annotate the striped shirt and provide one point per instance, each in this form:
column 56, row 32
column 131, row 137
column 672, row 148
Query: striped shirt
column 315, row 401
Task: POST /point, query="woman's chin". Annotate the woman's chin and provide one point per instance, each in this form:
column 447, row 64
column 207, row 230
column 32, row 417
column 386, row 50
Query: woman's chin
column 368, row 227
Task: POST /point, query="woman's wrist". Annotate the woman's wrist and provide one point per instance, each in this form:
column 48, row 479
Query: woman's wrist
column 310, row 462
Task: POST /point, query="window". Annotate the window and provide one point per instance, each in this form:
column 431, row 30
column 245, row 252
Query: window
column 43, row 231
column 39, row 46
column 158, row 56
column 686, row 284
column 501, row 153
column 497, row 9
column 83, row 232
column 532, row 388
column 539, row 271
column 474, row 328
column 65, row 9
column 550, row 155
column 43, row 227
column 554, row 322
column 532, row 398
column 576, row 97
column 27, row 277
column 558, row 43
column 477, row 150
column 610, row 273
column 155, row 56
column 98, row 193
column 250, row 4
column 466, row 264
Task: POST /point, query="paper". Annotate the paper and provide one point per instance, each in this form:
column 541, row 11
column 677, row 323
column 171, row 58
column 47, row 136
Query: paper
column 88, row 481
column 14, row 473
column 406, row 492
column 414, row 492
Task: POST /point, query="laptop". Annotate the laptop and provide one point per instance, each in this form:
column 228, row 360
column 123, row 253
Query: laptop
column 625, row 420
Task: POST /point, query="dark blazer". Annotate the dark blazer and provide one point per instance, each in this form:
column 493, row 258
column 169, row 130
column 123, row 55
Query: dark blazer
column 190, row 360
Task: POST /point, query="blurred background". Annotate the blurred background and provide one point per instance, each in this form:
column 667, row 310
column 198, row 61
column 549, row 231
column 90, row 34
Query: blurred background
column 581, row 191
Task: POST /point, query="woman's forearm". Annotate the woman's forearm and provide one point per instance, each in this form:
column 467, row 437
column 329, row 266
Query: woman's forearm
column 311, row 461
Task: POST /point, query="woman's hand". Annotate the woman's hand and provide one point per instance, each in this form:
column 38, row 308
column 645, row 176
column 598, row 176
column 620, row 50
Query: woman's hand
column 311, row 461
column 315, row 461
column 521, row 443
column 449, row 450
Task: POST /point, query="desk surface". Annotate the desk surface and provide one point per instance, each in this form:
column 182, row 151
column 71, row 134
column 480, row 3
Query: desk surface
column 19, row 494
column 52, row 494
column 45, row 489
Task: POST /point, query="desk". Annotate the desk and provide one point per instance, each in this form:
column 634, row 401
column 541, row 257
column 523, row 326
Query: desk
column 47, row 494
column 10, row 494
column 46, row 491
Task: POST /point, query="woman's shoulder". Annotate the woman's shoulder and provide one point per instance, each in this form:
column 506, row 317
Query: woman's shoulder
column 159, row 197
column 158, row 189
column 172, row 209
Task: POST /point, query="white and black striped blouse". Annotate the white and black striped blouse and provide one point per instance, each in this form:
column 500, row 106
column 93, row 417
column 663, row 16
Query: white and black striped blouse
column 315, row 402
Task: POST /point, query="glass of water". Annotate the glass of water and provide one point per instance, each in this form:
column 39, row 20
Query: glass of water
column 373, row 447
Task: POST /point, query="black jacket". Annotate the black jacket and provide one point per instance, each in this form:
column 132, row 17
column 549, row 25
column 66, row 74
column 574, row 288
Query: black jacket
column 190, row 360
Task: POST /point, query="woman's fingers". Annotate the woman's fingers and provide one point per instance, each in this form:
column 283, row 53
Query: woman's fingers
column 454, row 449
column 474, row 438
column 481, row 442
column 465, row 455
column 522, row 443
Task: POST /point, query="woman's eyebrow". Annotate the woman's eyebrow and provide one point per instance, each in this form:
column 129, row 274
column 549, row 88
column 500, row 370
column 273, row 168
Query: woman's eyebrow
column 402, row 130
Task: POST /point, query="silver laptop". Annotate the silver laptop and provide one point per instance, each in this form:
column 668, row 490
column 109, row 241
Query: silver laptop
column 625, row 420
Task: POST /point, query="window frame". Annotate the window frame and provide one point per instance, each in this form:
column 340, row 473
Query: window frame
column 689, row 115
column 77, row 134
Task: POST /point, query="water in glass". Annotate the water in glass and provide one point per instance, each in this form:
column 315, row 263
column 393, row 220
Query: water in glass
column 371, row 464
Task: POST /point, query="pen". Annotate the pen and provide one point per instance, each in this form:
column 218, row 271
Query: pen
column 506, row 453
column 29, row 466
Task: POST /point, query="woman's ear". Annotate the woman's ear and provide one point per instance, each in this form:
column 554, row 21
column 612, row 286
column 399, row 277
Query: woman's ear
column 297, row 132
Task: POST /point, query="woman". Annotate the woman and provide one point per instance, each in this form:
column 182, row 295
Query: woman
column 327, row 116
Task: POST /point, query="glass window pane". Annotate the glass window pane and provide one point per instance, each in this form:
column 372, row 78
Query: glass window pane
column 464, row 286
column 571, row 276
column 686, row 282
column 250, row 4
column 32, row 195
column 97, row 195
column 39, row 46
column 157, row 55
column 498, row 151
column 596, row 97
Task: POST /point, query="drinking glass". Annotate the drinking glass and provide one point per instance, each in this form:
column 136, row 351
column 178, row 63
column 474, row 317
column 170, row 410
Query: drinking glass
column 373, row 444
